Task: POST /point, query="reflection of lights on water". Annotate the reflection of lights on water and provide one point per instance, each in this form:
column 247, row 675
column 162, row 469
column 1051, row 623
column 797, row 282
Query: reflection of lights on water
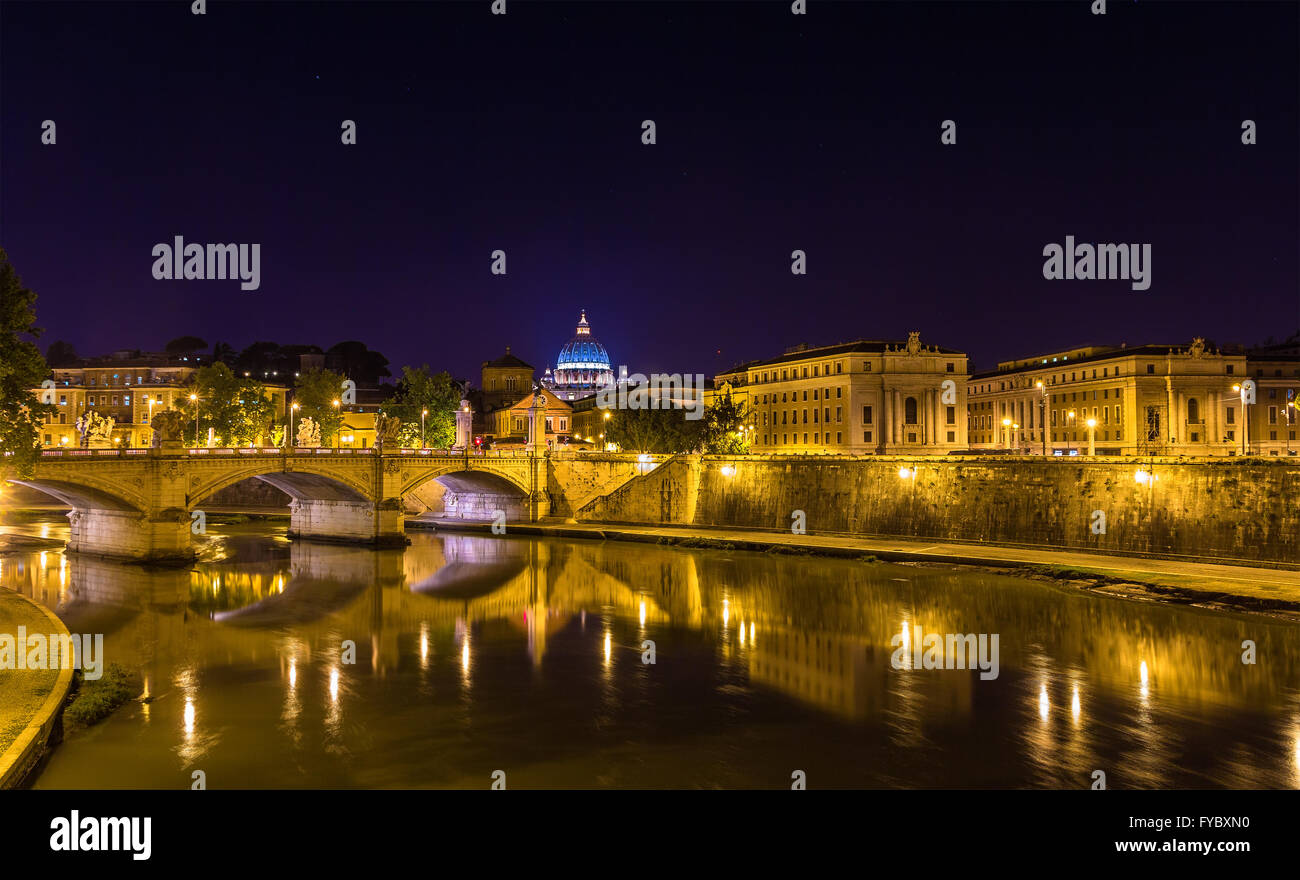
column 424, row 644
column 609, row 645
column 907, row 645
column 751, row 633
column 1043, row 703
column 189, row 716
column 279, row 584
column 1145, row 678
column 334, row 684
column 726, row 611
column 643, row 613
column 293, row 673
column 1075, row 706
column 742, row 633
column 45, row 531
column 464, row 656
column 43, row 555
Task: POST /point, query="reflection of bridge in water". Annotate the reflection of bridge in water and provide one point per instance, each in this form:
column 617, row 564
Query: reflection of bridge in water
column 818, row 632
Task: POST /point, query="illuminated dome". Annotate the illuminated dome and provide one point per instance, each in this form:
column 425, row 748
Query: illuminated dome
column 583, row 365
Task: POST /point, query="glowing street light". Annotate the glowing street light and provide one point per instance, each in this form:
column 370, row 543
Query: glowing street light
column 1092, row 437
column 336, row 430
column 1006, row 433
column 289, row 437
column 194, row 399
column 1042, row 414
column 423, row 413
column 1070, row 434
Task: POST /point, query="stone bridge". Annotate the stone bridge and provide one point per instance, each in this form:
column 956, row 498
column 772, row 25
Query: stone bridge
column 142, row 504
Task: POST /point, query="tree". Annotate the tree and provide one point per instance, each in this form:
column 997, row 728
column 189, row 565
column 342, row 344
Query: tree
column 21, row 369
column 418, row 391
column 238, row 409
column 183, row 346
column 658, row 431
column 315, row 392
column 724, row 431
column 61, row 354
column 222, row 352
column 358, row 363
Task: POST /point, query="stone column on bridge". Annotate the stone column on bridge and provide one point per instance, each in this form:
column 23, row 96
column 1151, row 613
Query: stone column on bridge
column 464, row 427
column 537, row 424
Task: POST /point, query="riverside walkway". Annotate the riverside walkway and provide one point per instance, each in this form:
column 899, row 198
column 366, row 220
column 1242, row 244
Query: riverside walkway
column 1260, row 587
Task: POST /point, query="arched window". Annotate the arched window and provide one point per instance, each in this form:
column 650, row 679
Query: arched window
column 909, row 411
column 1193, row 411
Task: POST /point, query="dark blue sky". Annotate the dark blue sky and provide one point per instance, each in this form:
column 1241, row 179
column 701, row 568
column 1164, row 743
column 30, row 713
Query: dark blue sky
column 775, row 132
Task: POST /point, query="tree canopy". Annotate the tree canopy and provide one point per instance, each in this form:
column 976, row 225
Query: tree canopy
column 315, row 392
column 21, row 369
column 417, row 391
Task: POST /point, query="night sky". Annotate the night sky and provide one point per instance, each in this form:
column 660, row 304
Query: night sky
column 775, row 132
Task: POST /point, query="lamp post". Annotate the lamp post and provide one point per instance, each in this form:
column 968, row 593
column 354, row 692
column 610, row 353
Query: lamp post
column 1006, row 433
column 149, row 400
column 1015, row 435
column 288, row 440
column 339, row 427
column 194, row 399
column 1042, row 414
column 1243, row 393
column 423, row 413
column 1069, row 443
column 1092, row 437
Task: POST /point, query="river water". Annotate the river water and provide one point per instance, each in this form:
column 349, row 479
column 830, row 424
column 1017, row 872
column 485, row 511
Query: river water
column 477, row 654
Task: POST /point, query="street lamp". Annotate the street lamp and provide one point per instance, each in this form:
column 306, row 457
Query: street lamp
column 1290, row 420
column 1006, row 433
column 1069, row 445
column 1245, row 417
column 1015, row 434
column 1092, row 437
column 423, row 413
column 289, row 438
column 1042, row 414
column 194, row 399
column 339, row 427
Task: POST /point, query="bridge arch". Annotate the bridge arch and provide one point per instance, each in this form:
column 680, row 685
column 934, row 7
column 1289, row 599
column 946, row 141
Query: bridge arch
column 84, row 493
column 475, row 493
column 303, row 482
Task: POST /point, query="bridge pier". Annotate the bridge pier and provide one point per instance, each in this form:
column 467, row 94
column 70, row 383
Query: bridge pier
column 363, row 522
column 159, row 538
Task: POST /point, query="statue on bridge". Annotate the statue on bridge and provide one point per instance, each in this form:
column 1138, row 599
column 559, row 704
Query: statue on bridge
column 386, row 430
column 167, row 427
column 308, row 432
column 96, row 430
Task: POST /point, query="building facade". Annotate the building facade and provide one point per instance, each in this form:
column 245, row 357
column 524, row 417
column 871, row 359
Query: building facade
column 1148, row 399
column 127, row 387
column 863, row 397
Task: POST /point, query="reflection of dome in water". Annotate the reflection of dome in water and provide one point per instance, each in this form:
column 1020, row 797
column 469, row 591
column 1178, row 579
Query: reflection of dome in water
column 583, row 365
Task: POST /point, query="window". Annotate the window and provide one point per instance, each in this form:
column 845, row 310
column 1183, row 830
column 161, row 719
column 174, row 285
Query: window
column 1229, row 369
column 909, row 412
column 839, row 437
column 866, row 415
column 839, row 367
column 866, row 436
column 949, row 367
column 952, row 436
column 951, row 418
column 1232, row 416
column 1272, row 416
column 839, row 392
column 1193, row 411
column 1151, row 368
column 839, row 413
